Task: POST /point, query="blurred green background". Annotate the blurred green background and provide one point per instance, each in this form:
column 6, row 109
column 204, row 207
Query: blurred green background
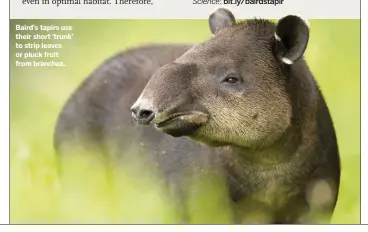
column 38, row 93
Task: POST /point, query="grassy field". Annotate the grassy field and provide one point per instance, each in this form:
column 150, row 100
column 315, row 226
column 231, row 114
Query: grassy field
column 37, row 95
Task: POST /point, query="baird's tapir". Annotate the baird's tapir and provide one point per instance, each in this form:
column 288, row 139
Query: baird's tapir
column 243, row 103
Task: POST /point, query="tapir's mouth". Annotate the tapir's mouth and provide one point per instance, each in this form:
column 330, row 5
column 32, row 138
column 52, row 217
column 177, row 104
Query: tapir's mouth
column 167, row 121
column 170, row 119
column 180, row 124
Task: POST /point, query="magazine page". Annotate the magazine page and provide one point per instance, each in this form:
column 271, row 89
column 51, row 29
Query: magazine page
column 185, row 112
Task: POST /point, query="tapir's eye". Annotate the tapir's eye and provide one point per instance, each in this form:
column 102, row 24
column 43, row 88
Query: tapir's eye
column 231, row 79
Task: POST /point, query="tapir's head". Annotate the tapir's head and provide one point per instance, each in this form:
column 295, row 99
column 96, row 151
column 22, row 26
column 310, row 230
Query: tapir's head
column 231, row 89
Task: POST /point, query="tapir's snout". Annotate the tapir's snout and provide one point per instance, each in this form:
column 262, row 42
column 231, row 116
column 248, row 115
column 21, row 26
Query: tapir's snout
column 175, row 121
column 167, row 101
column 143, row 112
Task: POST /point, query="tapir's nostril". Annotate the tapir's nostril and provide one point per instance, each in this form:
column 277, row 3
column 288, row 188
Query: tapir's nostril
column 142, row 116
column 145, row 114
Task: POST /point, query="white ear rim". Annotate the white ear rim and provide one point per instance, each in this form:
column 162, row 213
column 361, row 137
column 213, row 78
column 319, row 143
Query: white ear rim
column 287, row 61
column 277, row 37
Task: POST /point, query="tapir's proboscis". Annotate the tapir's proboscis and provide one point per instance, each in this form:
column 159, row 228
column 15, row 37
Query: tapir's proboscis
column 243, row 104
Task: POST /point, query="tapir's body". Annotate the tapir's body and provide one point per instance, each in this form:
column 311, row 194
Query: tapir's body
column 289, row 180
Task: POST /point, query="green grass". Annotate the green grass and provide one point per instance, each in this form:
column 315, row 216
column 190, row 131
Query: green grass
column 37, row 95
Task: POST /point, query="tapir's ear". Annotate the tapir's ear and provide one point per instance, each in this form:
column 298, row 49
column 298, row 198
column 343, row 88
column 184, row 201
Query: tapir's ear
column 291, row 38
column 219, row 19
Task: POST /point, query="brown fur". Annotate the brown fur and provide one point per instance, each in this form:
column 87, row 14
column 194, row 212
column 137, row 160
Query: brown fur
column 271, row 136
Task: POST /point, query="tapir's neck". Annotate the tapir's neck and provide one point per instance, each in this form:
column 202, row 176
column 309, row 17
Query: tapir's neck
column 249, row 169
column 281, row 152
